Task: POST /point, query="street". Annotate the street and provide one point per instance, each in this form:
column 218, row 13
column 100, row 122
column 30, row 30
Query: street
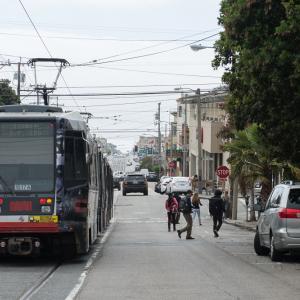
column 142, row 260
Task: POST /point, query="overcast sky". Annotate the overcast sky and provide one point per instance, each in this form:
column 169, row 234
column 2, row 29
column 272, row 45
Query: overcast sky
column 113, row 33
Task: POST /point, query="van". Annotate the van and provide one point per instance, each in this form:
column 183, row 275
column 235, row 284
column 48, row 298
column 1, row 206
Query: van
column 278, row 227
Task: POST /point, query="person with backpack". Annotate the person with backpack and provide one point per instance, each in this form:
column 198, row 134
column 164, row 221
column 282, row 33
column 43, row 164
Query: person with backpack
column 186, row 209
column 178, row 198
column 172, row 209
column 216, row 210
column 196, row 203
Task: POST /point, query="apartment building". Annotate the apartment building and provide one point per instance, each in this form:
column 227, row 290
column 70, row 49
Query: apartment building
column 213, row 118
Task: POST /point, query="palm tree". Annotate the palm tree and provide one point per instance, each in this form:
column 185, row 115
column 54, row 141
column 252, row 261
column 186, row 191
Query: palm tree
column 250, row 161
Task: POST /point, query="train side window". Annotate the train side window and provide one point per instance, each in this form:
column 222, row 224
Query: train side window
column 69, row 160
column 80, row 162
column 75, row 169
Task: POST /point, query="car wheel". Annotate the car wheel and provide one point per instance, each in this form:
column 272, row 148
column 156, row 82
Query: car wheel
column 275, row 255
column 146, row 193
column 259, row 250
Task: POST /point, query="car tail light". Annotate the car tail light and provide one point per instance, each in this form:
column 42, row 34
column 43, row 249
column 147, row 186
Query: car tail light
column 289, row 213
column 1, row 201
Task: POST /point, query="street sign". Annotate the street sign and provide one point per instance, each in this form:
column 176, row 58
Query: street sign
column 222, row 172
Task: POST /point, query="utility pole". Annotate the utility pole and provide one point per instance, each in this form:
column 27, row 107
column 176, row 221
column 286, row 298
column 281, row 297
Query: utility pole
column 199, row 135
column 184, row 152
column 19, row 79
column 159, row 136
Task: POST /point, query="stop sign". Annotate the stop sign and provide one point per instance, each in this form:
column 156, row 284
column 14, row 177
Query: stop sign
column 222, row 172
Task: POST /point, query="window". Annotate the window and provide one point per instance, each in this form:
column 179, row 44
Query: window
column 275, row 197
column 180, row 111
column 294, row 199
column 27, row 156
column 75, row 162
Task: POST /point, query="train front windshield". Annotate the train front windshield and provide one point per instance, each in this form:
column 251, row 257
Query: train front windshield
column 27, row 157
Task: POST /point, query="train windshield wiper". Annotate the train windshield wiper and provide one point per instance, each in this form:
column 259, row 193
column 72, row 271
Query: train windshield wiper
column 5, row 186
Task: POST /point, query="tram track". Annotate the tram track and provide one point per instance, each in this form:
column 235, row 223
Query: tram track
column 40, row 283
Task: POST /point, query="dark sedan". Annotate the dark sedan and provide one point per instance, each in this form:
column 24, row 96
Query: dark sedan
column 135, row 183
column 152, row 177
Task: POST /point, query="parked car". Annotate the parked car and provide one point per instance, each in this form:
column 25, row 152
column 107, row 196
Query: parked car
column 152, row 177
column 116, row 183
column 119, row 174
column 179, row 185
column 134, row 183
column 163, row 183
column 278, row 227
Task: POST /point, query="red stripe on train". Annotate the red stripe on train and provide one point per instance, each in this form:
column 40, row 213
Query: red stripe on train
column 28, row 227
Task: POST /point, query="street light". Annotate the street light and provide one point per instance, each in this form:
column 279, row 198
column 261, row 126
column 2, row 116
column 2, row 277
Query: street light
column 199, row 47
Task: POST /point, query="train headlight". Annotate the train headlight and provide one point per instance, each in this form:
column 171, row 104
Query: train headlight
column 45, row 209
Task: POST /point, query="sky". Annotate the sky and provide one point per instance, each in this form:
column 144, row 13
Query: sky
column 114, row 47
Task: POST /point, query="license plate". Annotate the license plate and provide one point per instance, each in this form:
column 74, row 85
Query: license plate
column 135, row 182
column 44, row 219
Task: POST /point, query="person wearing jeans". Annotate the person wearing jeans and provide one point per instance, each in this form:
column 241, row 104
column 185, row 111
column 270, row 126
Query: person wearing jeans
column 186, row 211
column 196, row 203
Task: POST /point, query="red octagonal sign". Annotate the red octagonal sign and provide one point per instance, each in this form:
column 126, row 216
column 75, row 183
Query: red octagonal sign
column 222, row 172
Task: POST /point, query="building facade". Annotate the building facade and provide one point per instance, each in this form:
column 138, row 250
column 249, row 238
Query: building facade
column 213, row 118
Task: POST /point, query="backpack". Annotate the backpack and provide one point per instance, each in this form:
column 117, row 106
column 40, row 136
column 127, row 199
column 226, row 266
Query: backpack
column 183, row 205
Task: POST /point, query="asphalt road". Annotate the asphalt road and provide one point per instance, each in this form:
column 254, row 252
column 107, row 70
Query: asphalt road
column 141, row 260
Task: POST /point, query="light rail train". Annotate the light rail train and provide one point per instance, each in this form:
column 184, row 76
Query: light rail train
column 56, row 188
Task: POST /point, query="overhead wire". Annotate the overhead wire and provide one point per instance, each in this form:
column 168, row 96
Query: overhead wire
column 152, row 46
column 48, row 51
column 99, row 62
column 161, row 73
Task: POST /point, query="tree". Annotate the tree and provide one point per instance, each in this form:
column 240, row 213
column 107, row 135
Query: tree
column 259, row 49
column 7, row 94
column 250, row 160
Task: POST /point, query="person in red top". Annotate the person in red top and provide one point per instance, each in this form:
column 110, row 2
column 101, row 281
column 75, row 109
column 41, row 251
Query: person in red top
column 172, row 210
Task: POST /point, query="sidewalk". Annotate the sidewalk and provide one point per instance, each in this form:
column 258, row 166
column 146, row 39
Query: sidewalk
column 241, row 215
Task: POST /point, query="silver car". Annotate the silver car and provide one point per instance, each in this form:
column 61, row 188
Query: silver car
column 278, row 227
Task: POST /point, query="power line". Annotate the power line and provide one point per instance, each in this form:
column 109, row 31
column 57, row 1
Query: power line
column 138, row 86
column 99, row 62
column 152, row 46
column 161, row 73
column 37, row 32
column 100, row 39
column 40, row 37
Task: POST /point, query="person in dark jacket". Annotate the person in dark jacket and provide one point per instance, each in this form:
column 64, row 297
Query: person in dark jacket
column 171, row 206
column 178, row 198
column 216, row 209
column 186, row 206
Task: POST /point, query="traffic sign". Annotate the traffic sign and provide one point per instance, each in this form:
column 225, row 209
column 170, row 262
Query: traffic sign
column 222, row 172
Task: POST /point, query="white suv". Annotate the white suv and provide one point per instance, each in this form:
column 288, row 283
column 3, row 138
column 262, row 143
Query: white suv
column 278, row 227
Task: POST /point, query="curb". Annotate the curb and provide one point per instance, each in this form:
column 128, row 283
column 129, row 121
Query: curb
column 241, row 225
